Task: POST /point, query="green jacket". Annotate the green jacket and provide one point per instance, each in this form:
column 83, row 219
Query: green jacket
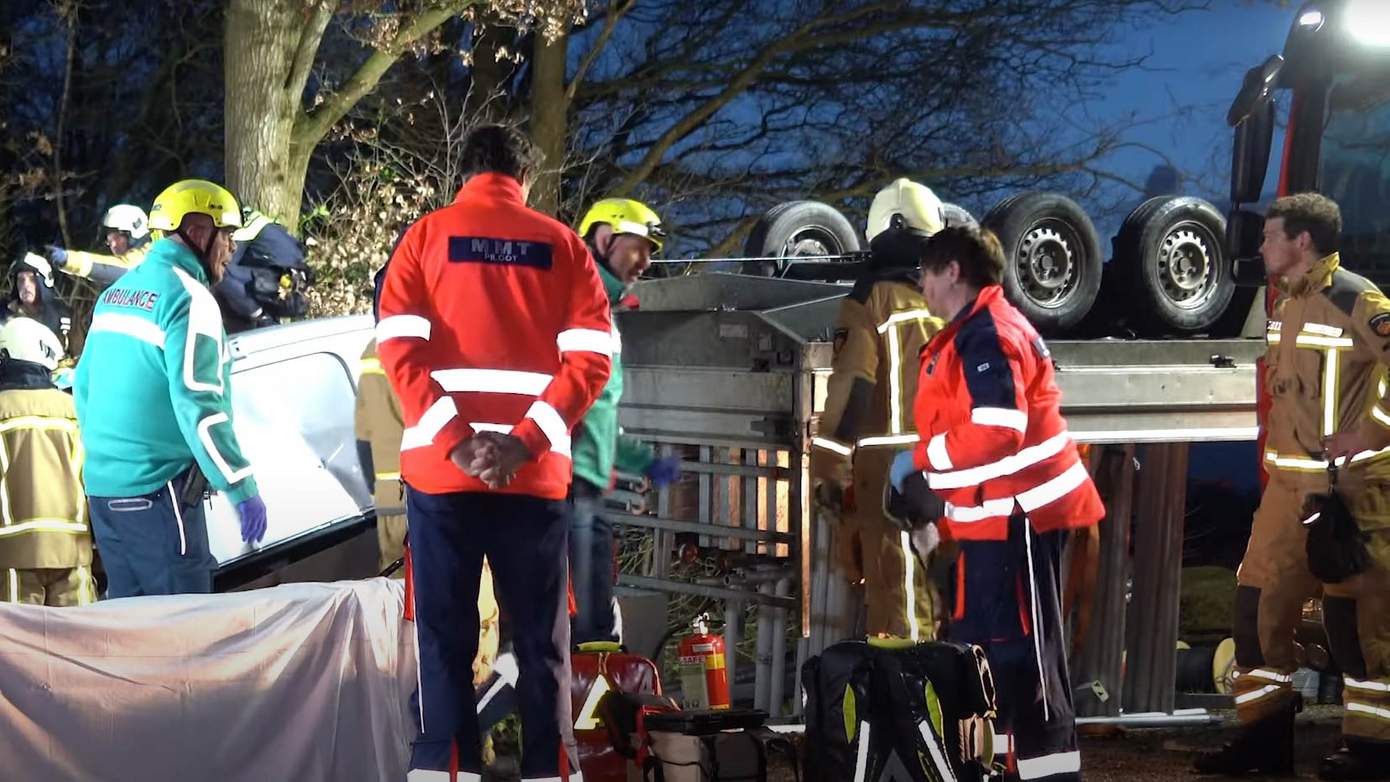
column 154, row 382
column 599, row 443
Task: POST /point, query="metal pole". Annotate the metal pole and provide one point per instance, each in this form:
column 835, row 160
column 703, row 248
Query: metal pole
column 695, row 588
column 762, row 680
column 1098, row 671
column 1156, row 719
column 733, row 621
column 1152, row 646
column 779, row 651
column 803, row 646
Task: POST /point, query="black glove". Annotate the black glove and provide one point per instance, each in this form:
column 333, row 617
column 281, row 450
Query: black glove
column 915, row 505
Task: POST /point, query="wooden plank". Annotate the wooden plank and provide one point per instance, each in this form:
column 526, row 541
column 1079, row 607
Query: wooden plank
column 1099, row 667
column 1153, row 619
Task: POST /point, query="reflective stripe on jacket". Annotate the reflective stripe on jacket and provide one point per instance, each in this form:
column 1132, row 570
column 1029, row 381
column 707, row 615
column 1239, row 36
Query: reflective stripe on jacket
column 43, row 509
column 868, row 417
column 1325, row 372
column 104, row 269
column 378, row 421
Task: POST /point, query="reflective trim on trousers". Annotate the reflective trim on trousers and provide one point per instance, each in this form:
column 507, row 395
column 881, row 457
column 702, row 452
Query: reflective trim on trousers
column 1049, row 765
column 1260, row 694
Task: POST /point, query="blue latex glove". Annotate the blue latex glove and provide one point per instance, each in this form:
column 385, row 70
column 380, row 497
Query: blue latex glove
column 252, row 512
column 57, row 256
column 902, row 467
column 664, row 471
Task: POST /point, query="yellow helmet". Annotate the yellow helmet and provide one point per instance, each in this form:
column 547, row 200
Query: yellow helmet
column 194, row 196
column 626, row 216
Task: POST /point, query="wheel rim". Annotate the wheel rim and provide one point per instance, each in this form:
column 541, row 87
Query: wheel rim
column 1187, row 265
column 1048, row 263
column 813, row 240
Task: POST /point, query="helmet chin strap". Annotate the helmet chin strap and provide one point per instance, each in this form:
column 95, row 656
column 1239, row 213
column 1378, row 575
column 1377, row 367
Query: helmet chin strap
column 203, row 253
column 601, row 255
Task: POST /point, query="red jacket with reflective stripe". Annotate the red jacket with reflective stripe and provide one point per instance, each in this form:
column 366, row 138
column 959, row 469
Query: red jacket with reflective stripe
column 492, row 317
column 992, row 435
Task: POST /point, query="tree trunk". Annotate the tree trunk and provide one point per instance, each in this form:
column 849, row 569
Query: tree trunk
column 70, row 19
column 549, row 119
column 262, row 37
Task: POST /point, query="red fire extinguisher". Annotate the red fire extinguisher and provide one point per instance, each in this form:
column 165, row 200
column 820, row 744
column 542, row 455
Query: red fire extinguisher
column 704, row 678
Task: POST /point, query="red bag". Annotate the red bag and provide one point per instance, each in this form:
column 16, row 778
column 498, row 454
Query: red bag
column 597, row 669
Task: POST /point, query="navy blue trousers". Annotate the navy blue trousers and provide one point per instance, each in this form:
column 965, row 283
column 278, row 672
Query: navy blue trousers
column 524, row 539
column 152, row 546
column 1008, row 601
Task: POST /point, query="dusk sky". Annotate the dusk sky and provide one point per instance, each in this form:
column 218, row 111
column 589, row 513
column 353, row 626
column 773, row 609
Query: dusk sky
column 1195, row 67
column 1197, row 63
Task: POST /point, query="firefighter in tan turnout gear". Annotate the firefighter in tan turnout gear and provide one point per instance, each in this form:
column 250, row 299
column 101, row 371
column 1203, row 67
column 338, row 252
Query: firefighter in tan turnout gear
column 1325, row 372
column 45, row 540
column 379, row 428
column 882, row 326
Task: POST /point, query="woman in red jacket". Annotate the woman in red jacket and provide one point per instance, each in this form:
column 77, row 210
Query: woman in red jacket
column 993, row 446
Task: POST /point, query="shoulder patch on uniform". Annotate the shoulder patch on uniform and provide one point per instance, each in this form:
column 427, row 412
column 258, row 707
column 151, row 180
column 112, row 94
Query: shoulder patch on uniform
column 841, row 336
column 1346, row 288
column 1380, row 324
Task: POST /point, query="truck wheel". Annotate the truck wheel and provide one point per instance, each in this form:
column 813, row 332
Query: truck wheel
column 1172, row 257
column 1052, row 262
column 797, row 228
column 957, row 215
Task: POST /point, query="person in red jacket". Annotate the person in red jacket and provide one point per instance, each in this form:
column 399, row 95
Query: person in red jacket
column 994, row 449
column 494, row 331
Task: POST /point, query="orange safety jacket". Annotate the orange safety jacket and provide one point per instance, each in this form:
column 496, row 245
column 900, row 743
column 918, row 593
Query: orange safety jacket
column 992, row 437
column 492, row 318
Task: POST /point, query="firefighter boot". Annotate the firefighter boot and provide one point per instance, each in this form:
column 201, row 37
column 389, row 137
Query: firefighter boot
column 1264, row 746
column 1357, row 759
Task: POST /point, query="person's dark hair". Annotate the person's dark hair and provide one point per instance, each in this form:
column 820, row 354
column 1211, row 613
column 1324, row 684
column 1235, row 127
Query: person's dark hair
column 977, row 250
column 497, row 149
column 1312, row 212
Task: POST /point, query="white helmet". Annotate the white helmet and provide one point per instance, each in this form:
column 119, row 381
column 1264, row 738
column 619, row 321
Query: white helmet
column 38, row 265
column 908, row 204
column 129, row 218
column 26, row 339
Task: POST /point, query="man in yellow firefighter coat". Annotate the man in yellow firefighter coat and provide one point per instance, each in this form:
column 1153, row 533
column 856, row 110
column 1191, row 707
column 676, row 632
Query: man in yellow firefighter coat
column 1325, row 376
column 882, row 326
column 126, row 230
column 379, row 427
column 45, row 538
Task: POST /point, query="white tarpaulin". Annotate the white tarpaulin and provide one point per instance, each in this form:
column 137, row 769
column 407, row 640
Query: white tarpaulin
column 301, row 682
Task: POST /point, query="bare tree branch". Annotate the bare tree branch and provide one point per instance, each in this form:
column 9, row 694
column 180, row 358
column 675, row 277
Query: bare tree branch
column 310, row 127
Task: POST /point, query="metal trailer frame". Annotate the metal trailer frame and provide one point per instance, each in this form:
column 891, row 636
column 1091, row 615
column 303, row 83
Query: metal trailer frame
column 732, row 369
